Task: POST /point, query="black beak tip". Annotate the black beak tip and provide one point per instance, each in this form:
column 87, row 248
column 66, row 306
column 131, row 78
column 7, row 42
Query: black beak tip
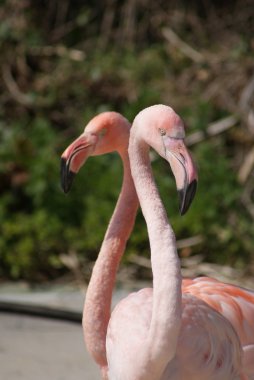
column 67, row 176
column 186, row 196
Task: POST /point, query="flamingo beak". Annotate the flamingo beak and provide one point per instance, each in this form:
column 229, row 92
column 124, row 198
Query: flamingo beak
column 186, row 196
column 67, row 176
column 184, row 171
column 74, row 157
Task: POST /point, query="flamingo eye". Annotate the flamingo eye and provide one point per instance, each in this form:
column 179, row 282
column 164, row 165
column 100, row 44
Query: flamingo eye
column 162, row 132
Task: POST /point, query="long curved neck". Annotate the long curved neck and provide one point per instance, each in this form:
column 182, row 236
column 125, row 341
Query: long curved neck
column 99, row 293
column 166, row 310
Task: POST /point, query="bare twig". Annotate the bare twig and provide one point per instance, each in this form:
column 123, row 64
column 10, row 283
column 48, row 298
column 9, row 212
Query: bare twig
column 246, row 167
column 250, row 121
column 247, row 95
column 16, row 93
column 186, row 49
column 71, row 261
column 221, row 272
column 213, row 129
column 245, row 105
column 59, row 50
column 107, row 24
column 248, row 204
column 194, row 266
column 189, row 242
column 127, row 29
column 140, row 261
column 26, row 100
column 180, row 244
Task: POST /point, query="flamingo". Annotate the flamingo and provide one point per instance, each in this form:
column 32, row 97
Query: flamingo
column 97, row 311
column 107, row 132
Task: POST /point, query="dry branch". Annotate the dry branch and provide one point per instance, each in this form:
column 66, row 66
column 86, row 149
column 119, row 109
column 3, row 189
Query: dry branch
column 213, row 129
column 247, row 95
column 245, row 106
column 246, row 167
column 60, row 51
column 250, row 121
column 248, row 204
column 15, row 92
column 189, row 242
column 194, row 266
column 20, row 97
column 180, row 244
column 186, row 49
column 72, row 262
column 140, row 261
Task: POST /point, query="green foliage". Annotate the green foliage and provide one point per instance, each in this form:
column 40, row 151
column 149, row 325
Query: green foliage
column 60, row 70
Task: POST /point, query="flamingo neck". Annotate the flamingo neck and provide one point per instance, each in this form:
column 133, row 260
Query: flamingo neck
column 166, row 310
column 97, row 306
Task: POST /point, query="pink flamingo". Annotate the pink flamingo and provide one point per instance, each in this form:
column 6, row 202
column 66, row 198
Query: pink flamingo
column 99, row 315
column 105, row 133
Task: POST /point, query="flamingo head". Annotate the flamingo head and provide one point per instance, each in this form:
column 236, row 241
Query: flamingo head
column 107, row 132
column 164, row 131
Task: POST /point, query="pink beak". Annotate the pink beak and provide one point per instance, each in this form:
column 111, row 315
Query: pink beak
column 74, row 157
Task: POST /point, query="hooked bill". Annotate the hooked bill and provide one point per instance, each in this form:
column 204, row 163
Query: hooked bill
column 67, row 176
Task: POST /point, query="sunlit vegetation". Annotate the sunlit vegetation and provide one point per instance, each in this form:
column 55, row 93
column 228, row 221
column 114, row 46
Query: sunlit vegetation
column 64, row 61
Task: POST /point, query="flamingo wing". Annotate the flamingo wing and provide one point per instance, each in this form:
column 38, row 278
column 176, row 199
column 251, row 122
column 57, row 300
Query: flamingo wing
column 233, row 302
column 236, row 304
column 208, row 346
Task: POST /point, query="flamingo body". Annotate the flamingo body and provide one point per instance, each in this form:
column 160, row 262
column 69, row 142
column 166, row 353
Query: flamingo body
column 208, row 346
column 208, row 302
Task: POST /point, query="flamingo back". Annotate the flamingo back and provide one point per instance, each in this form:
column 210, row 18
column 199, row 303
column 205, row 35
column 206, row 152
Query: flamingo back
column 208, row 346
column 233, row 302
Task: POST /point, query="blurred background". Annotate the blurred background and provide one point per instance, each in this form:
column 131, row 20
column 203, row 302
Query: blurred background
column 62, row 62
